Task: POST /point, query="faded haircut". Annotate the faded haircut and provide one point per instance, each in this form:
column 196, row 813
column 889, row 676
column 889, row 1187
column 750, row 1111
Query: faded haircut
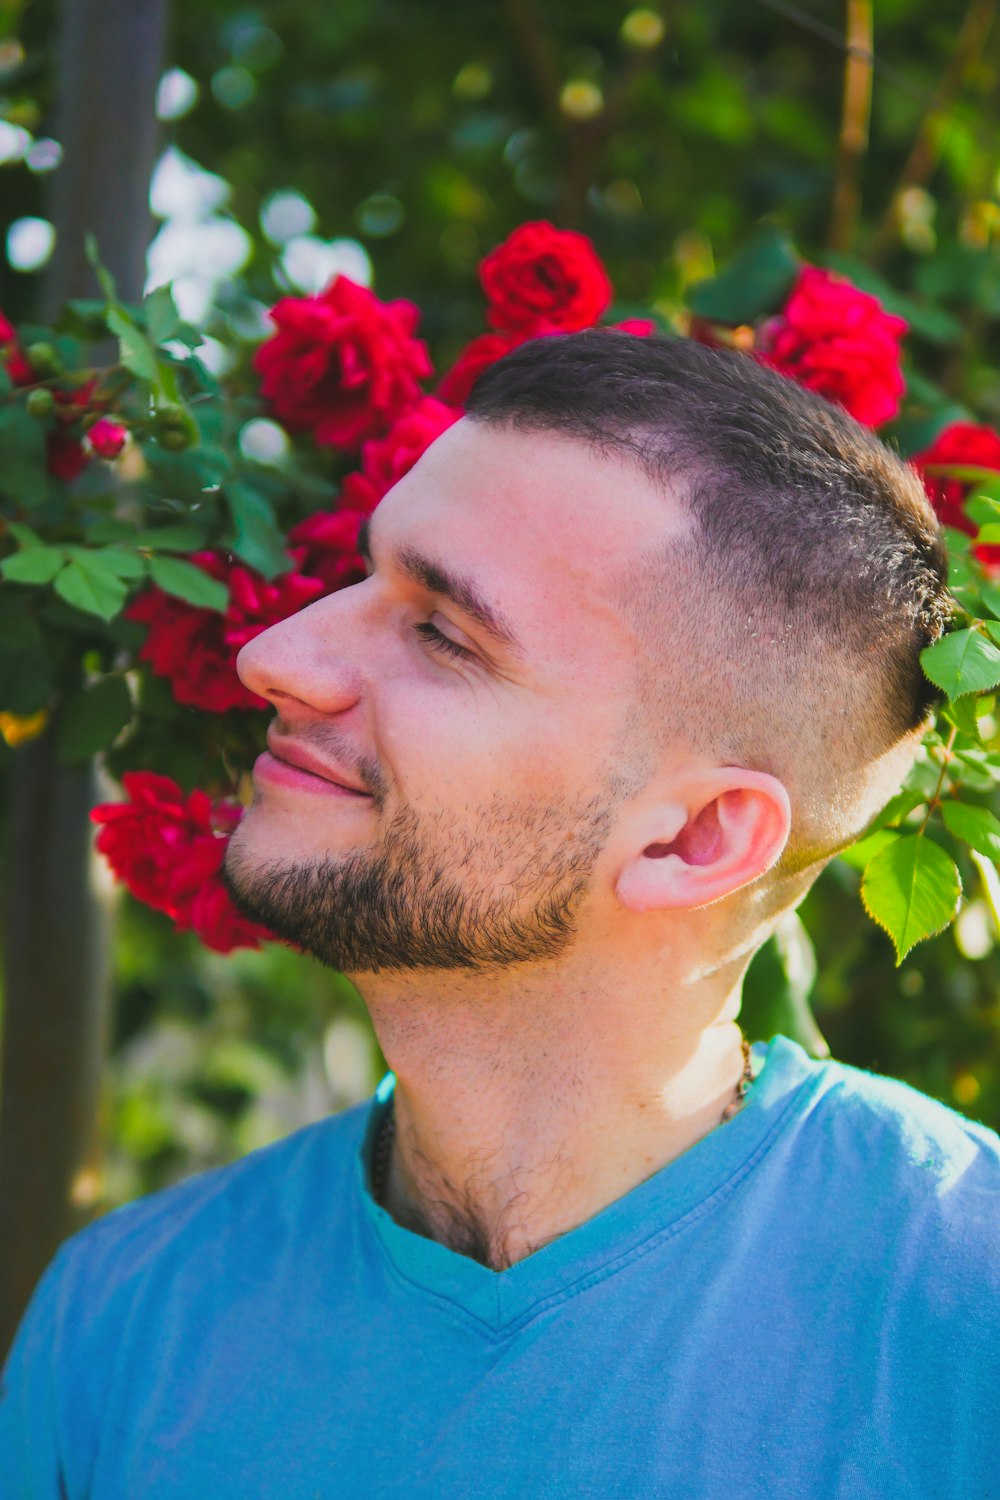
column 812, row 577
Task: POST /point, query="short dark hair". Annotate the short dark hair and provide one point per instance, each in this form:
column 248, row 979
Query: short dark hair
column 801, row 515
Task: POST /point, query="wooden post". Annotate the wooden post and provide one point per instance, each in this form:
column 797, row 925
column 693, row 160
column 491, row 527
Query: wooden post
column 56, row 942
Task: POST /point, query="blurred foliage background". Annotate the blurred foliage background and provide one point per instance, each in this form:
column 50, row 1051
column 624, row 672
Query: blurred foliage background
column 403, row 140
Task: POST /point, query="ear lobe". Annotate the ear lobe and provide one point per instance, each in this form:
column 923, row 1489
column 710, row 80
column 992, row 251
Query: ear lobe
column 728, row 841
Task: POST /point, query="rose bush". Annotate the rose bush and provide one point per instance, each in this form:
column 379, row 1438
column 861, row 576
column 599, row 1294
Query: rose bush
column 123, row 623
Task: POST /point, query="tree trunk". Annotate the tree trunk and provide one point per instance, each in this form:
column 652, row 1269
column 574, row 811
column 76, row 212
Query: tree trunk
column 56, row 945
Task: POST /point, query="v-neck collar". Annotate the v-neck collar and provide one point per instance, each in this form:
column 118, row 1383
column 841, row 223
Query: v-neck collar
column 501, row 1302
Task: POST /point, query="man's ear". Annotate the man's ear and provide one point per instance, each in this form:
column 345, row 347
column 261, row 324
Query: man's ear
column 723, row 831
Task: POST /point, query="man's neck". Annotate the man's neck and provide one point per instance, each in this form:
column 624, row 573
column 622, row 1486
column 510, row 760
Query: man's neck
column 516, row 1119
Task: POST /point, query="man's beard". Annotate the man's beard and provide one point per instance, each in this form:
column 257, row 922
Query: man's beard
column 412, row 901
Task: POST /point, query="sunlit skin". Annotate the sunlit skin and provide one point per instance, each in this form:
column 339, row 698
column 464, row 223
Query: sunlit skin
column 530, row 1094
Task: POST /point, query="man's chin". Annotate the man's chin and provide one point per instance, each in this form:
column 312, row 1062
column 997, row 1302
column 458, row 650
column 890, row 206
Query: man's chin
column 251, row 888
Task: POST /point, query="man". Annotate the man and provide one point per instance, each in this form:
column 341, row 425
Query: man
column 637, row 653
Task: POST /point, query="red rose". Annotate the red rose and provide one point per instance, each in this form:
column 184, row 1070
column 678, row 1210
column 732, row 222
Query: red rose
column 476, row 357
column 17, row 366
column 962, row 445
column 325, row 545
column 168, row 850
column 343, row 364
column 197, row 648
column 107, row 438
column 385, row 460
column 839, row 342
column 640, row 328
column 65, row 456
column 544, row 278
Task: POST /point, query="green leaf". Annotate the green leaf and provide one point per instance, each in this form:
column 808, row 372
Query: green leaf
column 859, row 854
column 179, row 537
column 24, row 534
column 990, row 596
column 963, row 661
column 756, row 281
column 959, row 544
column 964, row 714
column 982, row 509
column 93, row 718
column 23, row 476
column 186, row 475
column 162, row 317
column 94, row 592
column 188, row 582
column 33, row 565
column 115, row 561
column 135, row 351
column 975, row 826
column 256, row 537
column 104, row 276
column 912, row 889
column 899, row 807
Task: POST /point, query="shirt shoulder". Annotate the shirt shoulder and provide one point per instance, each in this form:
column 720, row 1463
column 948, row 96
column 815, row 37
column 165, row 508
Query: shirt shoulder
column 275, row 1183
column 921, row 1181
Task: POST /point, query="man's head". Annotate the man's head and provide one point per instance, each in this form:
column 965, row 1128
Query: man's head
column 698, row 674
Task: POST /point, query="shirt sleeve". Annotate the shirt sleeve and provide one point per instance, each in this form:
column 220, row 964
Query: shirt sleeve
column 30, row 1460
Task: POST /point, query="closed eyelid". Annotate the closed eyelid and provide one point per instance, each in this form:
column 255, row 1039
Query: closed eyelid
column 462, row 591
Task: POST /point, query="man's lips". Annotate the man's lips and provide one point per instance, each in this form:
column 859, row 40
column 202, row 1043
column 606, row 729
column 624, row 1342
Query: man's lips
column 292, row 756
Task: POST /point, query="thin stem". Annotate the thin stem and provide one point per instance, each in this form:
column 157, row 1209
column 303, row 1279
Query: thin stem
column 854, row 125
column 935, row 800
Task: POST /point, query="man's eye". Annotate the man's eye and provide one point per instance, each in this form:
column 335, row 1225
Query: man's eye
column 439, row 642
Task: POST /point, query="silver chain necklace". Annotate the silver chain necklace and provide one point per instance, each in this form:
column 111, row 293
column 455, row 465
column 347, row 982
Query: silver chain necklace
column 387, row 1130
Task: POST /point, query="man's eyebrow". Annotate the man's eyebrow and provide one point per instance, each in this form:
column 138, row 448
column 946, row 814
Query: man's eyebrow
column 459, row 588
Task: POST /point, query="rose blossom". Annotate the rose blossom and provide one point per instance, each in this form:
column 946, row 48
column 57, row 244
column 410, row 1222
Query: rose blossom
column 324, row 545
column 839, row 342
column 455, row 386
column 18, row 368
column 343, row 364
column 962, row 445
column 65, row 456
column 544, row 278
column 197, row 648
column 107, row 438
column 168, row 850
column 384, row 461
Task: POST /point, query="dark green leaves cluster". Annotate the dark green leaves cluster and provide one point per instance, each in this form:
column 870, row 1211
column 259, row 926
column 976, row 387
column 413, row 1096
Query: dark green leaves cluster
column 912, row 882
column 72, row 556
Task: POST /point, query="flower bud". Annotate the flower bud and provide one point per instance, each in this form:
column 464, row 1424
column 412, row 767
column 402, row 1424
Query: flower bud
column 40, row 403
column 107, row 438
column 44, row 360
column 175, row 429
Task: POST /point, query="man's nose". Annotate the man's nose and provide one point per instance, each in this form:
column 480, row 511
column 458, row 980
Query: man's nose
column 308, row 657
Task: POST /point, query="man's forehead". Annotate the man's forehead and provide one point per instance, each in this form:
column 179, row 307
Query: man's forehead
column 546, row 500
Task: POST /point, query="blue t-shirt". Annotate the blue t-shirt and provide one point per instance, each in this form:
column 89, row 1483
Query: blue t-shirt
column 805, row 1304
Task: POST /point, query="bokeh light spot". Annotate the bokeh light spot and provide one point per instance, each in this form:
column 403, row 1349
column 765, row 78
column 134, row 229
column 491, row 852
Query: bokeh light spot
column 30, row 242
